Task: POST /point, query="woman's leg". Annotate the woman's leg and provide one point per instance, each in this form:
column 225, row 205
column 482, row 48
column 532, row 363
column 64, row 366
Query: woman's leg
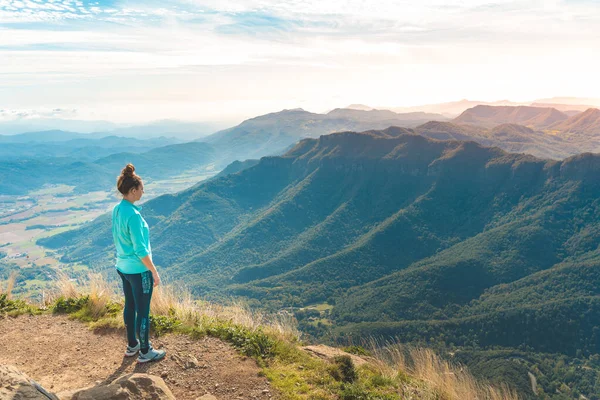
column 142, row 285
column 129, row 311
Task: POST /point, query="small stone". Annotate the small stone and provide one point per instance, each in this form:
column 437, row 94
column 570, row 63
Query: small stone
column 207, row 397
column 191, row 362
column 266, row 391
column 164, row 374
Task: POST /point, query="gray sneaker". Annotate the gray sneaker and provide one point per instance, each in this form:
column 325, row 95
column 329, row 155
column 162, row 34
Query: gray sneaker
column 151, row 355
column 132, row 351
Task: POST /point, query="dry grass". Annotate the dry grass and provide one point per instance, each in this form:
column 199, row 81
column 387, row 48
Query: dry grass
column 442, row 379
column 10, row 285
column 178, row 302
column 101, row 294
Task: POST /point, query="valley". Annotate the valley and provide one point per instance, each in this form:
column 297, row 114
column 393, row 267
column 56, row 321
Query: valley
column 56, row 209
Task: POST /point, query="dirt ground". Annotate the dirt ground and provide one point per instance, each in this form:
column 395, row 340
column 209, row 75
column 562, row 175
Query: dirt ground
column 62, row 355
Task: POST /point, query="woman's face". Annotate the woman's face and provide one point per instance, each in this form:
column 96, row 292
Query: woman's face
column 137, row 193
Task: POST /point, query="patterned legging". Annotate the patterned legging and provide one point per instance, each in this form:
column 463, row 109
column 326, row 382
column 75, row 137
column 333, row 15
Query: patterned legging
column 138, row 293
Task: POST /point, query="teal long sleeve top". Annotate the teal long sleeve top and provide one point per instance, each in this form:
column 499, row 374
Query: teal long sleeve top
column 132, row 238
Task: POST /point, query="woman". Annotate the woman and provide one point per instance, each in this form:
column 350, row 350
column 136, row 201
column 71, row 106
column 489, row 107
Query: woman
column 134, row 265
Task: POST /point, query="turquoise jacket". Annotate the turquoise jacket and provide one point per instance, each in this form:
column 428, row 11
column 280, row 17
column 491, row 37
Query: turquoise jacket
column 131, row 236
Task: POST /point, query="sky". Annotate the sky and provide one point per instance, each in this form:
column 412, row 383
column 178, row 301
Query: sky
column 200, row 60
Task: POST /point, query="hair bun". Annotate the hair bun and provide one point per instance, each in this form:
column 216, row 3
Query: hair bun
column 129, row 170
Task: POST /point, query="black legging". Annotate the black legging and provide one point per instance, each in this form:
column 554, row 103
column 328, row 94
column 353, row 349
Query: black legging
column 138, row 293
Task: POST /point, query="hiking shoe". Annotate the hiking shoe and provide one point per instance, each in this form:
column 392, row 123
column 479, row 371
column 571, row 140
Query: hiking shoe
column 132, row 351
column 151, row 355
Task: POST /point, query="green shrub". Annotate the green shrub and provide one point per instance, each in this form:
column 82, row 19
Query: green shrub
column 354, row 392
column 15, row 307
column 69, row 305
column 358, row 350
column 161, row 324
column 251, row 343
column 381, row 381
column 344, row 370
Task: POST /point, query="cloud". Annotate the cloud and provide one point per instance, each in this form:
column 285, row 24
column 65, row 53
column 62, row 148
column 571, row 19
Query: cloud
column 76, row 52
column 33, row 114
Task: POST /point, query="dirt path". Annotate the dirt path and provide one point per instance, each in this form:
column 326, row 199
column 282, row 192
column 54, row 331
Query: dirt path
column 62, row 354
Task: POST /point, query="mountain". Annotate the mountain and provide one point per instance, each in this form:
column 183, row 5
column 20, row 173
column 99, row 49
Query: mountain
column 453, row 108
column 359, row 107
column 171, row 128
column 78, row 148
column 23, row 175
column 31, row 123
column 274, row 133
column 236, row 167
column 162, row 162
column 509, row 137
column 46, row 137
column 446, row 242
column 489, row 116
column 586, row 123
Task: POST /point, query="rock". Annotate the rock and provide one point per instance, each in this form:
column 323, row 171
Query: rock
column 329, row 353
column 191, row 362
column 207, row 397
column 128, row 387
column 16, row 385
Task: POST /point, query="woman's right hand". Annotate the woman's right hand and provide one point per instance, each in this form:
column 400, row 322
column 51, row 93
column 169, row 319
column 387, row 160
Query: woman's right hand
column 156, row 278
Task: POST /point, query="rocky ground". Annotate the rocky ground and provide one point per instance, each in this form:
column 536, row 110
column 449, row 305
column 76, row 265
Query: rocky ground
column 63, row 355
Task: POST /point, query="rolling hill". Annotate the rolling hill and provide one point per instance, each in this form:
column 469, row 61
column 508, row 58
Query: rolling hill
column 78, row 147
column 587, row 123
column 490, row 116
column 23, row 175
column 274, row 133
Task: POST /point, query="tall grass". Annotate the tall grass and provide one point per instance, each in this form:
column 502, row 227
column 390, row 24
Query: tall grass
column 10, row 285
column 175, row 302
column 443, row 379
column 168, row 300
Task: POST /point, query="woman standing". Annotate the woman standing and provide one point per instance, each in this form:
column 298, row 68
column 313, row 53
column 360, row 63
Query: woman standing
column 134, row 265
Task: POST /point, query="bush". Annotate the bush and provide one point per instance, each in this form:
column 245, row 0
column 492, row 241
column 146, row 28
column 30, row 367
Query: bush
column 344, row 370
column 14, row 307
column 358, row 350
column 69, row 305
column 251, row 343
column 161, row 324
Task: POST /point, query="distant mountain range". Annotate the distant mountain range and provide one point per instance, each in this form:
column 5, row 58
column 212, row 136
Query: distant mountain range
column 543, row 132
column 568, row 105
column 77, row 146
column 276, row 132
column 501, row 126
column 97, row 129
column 19, row 176
column 533, row 117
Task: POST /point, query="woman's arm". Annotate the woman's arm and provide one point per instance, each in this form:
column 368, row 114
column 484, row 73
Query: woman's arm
column 141, row 247
column 150, row 265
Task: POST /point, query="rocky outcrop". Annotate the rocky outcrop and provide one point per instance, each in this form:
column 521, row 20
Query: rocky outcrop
column 329, row 353
column 15, row 385
column 127, row 387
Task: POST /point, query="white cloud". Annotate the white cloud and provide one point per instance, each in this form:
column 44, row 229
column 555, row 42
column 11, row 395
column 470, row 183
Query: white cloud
column 318, row 52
